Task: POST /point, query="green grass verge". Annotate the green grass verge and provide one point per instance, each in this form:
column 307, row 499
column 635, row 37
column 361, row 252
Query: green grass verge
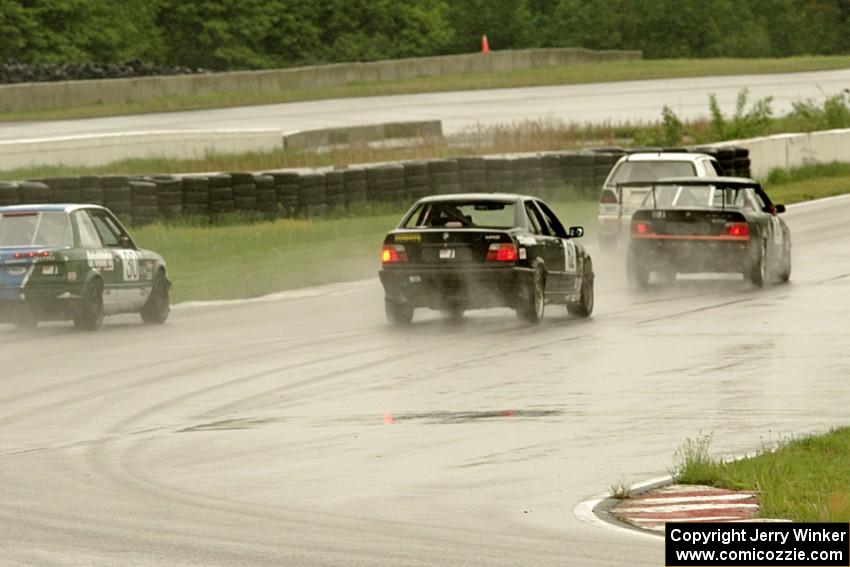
column 563, row 75
column 808, row 182
column 250, row 260
column 804, row 480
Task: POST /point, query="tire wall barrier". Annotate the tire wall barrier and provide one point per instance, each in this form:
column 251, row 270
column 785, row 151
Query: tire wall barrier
column 41, row 96
column 312, row 193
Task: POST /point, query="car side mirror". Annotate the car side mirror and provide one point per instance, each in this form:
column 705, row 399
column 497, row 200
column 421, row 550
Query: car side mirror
column 780, row 209
column 576, row 232
column 125, row 242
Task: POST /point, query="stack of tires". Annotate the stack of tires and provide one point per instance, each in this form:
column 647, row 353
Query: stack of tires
column 385, row 182
column 196, row 195
column 443, row 175
column 63, row 189
column 144, row 201
column 33, row 193
column 311, row 194
column 244, row 192
column 286, row 192
column 742, row 162
column 169, row 195
column 355, row 185
column 9, row 194
column 726, row 158
column 335, row 189
column 472, row 174
column 91, row 191
column 528, row 175
column 116, row 195
column 579, row 169
column 603, row 163
column 550, row 167
column 417, row 184
column 499, row 174
column 266, row 195
column 220, row 195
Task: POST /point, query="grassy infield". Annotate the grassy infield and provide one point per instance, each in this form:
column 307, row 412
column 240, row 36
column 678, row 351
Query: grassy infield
column 804, row 480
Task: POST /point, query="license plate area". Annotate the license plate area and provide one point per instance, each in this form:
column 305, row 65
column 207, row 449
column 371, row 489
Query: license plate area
column 447, row 253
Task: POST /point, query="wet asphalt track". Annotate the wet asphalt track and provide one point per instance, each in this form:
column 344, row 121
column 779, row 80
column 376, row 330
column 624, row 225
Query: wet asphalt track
column 304, row 431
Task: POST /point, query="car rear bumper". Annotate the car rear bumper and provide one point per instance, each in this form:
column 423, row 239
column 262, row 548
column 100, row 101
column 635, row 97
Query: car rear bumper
column 445, row 288
column 692, row 256
column 50, row 302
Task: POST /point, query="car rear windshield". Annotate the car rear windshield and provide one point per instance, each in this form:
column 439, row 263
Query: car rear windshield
column 650, row 171
column 35, row 229
column 699, row 197
column 462, row 214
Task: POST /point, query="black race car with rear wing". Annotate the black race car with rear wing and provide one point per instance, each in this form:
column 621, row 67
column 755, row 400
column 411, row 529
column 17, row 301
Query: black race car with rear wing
column 479, row 250
column 701, row 225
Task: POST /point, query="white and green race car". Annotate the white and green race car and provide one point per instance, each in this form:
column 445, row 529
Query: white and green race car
column 75, row 262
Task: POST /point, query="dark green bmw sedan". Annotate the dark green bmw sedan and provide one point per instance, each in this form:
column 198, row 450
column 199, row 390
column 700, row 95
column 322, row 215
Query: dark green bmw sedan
column 75, row 262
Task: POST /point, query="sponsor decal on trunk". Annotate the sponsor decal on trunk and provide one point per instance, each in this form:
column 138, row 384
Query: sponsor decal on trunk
column 100, row 260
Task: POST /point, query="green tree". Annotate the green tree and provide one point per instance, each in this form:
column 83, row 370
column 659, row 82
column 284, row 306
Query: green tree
column 593, row 24
column 508, row 24
column 16, row 28
column 60, row 31
column 363, row 30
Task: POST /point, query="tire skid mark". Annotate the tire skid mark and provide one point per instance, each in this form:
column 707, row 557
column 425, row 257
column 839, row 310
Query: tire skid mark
column 222, row 358
column 126, row 471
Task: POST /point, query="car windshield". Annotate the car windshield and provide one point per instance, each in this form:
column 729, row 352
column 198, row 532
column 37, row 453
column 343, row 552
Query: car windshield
column 462, row 214
column 698, row 197
column 35, row 229
column 630, row 171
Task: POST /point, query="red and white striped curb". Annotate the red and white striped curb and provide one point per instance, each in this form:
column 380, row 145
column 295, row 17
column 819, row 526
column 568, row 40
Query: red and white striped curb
column 684, row 503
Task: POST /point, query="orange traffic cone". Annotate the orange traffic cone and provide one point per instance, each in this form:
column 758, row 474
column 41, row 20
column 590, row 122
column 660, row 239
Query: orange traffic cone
column 485, row 45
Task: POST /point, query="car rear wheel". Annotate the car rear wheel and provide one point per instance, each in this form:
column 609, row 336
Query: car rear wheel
column 584, row 307
column 637, row 273
column 398, row 313
column 453, row 312
column 90, row 313
column 758, row 267
column 785, row 265
column 158, row 305
column 532, row 302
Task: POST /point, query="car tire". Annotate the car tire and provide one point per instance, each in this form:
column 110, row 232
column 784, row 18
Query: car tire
column 666, row 277
column 757, row 270
column 158, row 305
column 453, row 312
column 785, row 265
column 637, row 274
column 26, row 317
column 398, row 313
column 90, row 311
column 585, row 306
column 532, row 301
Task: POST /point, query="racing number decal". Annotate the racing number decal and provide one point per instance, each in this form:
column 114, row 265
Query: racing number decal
column 569, row 256
column 130, row 261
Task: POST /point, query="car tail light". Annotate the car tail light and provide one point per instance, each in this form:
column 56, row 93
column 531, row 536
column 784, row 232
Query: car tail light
column 642, row 228
column 737, row 229
column 608, row 198
column 39, row 254
column 501, row 252
column 392, row 253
